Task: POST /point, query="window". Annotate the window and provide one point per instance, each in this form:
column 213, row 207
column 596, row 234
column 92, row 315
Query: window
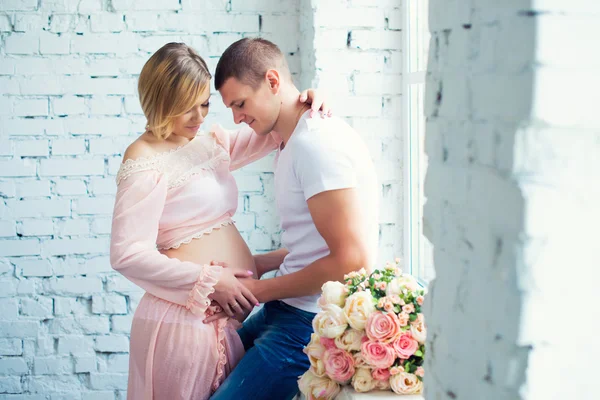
column 418, row 251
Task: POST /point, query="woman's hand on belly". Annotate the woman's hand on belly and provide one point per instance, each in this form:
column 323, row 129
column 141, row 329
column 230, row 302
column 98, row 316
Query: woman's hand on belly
column 231, row 294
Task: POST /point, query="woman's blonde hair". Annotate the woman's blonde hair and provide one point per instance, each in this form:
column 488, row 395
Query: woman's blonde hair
column 170, row 84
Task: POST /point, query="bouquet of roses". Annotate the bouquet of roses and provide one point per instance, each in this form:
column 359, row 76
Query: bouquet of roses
column 370, row 334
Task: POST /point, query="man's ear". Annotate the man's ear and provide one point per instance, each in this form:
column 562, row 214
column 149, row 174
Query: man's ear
column 273, row 80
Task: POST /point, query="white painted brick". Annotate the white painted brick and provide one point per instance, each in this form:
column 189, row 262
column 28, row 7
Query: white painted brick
column 249, row 183
column 121, row 323
column 110, row 145
column 118, row 363
column 30, row 188
column 29, row 22
column 8, row 228
column 6, row 147
column 150, row 44
column 379, row 83
column 331, row 39
column 94, row 206
column 52, row 365
column 207, row 5
column 287, row 44
column 26, row 287
column 9, row 85
column 98, row 264
column 90, row 6
column 71, row 167
column 70, row 187
column 11, row 347
column 60, row 23
column 40, row 86
column 69, row 105
column 108, row 381
column 5, row 24
column 5, row 267
column 55, row 43
column 102, row 226
column 355, row 17
column 145, row 5
column 114, row 163
column 368, row 106
column 10, row 308
column 141, row 21
column 74, row 246
column 120, row 284
column 9, row 288
column 73, row 227
column 245, row 221
column 15, row 248
column 106, row 105
column 104, row 43
column 35, row 227
column 16, row 168
column 19, row 5
column 68, row 6
column 107, row 22
column 11, row 384
column 13, row 366
column 30, row 127
column 87, row 364
column 22, row 43
column 269, row 6
column 345, row 61
column 31, row 148
column 68, row 147
column 73, row 286
column 34, row 267
column 112, row 344
column 132, row 105
column 109, row 304
column 41, row 307
column 394, row 18
column 7, row 189
column 76, row 344
column 100, row 186
column 392, row 106
column 41, row 208
column 99, row 86
column 381, row 40
column 6, row 106
column 94, row 126
column 221, row 22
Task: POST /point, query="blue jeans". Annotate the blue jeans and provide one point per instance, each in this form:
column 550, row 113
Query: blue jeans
column 273, row 338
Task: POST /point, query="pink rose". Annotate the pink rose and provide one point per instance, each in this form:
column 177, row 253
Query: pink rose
column 381, row 374
column 405, row 345
column 420, row 372
column 403, row 319
column 420, row 300
column 396, row 299
column 339, row 365
column 389, row 307
column 378, row 355
column 383, row 327
column 409, row 308
column 328, row 343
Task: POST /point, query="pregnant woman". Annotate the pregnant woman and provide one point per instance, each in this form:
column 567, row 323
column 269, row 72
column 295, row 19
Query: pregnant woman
column 172, row 216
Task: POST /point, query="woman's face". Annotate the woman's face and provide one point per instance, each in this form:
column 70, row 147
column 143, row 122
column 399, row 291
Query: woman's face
column 187, row 125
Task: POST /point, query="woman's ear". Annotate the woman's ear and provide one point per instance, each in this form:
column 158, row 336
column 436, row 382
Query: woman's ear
column 274, row 81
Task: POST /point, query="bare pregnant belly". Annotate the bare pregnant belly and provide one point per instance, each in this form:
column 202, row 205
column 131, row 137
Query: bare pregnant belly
column 224, row 244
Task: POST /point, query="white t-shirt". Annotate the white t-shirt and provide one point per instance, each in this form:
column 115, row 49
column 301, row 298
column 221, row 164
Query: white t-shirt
column 321, row 155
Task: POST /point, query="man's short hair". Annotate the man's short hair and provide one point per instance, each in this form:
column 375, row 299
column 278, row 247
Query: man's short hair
column 248, row 60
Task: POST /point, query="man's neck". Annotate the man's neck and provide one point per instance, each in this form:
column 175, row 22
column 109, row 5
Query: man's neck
column 290, row 113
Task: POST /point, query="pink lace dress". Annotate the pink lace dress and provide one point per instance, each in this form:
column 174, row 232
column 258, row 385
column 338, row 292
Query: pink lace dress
column 162, row 202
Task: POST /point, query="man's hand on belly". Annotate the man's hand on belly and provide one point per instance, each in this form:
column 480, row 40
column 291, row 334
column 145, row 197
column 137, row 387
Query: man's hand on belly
column 231, row 294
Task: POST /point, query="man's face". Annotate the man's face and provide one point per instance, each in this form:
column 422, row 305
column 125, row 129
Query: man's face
column 259, row 108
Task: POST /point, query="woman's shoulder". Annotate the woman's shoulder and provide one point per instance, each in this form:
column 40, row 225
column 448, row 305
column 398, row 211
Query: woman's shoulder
column 139, row 149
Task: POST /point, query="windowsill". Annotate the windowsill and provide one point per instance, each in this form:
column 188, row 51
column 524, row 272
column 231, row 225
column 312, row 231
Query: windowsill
column 348, row 393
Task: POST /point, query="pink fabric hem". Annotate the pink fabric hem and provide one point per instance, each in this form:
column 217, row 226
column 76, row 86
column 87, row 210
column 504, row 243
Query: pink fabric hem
column 198, row 301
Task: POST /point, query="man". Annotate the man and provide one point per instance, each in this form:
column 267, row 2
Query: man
column 327, row 197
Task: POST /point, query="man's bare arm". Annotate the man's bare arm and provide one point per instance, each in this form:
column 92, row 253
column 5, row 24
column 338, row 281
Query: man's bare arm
column 269, row 261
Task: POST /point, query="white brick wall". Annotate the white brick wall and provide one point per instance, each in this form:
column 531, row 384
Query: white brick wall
column 68, row 108
column 512, row 190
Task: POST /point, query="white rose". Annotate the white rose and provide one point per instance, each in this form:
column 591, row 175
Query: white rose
column 314, row 350
column 315, row 387
column 405, row 383
column 358, row 308
column 362, row 381
column 396, row 286
column 351, row 340
column 333, row 292
column 418, row 329
column 331, row 322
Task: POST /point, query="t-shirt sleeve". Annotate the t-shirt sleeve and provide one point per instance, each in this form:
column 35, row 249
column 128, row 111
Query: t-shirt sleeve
column 321, row 166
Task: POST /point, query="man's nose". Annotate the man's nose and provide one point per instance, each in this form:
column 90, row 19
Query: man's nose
column 238, row 117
